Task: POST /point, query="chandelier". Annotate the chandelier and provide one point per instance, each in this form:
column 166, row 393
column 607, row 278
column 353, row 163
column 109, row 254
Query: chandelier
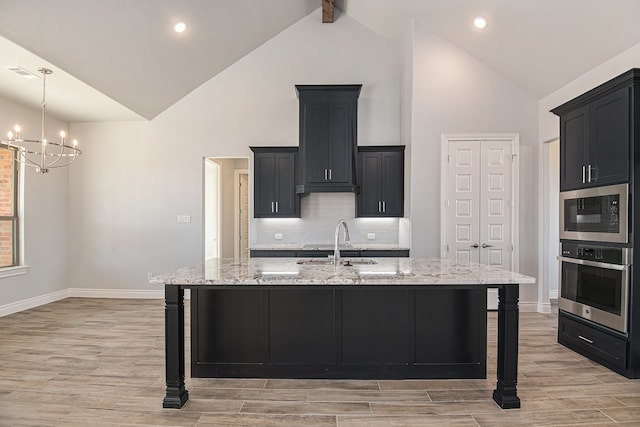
column 42, row 154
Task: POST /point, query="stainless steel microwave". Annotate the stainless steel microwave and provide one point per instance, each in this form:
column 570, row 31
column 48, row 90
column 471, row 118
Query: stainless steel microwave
column 598, row 214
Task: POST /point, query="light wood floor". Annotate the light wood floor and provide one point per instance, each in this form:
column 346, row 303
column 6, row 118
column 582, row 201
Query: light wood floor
column 100, row 362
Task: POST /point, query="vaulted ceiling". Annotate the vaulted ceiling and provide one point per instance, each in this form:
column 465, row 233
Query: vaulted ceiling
column 120, row 59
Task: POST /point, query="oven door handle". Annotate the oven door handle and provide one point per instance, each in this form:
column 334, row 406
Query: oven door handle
column 620, row 267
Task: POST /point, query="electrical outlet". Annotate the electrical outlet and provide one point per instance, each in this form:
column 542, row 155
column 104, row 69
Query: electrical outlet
column 371, row 236
column 278, row 236
column 149, row 275
column 184, row 218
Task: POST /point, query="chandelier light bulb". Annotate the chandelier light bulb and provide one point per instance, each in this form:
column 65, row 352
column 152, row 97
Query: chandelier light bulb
column 62, row 134
column 75, row 142
column 16, row 128
column 10, row 135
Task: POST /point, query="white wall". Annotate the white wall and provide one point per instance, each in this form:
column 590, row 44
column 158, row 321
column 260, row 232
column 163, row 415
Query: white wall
column 137, row 177
column 46, row 219
column 453, row 92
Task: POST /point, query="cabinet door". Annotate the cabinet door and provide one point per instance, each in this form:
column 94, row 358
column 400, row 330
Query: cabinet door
column 316, row 140
column 285, row 184
column 264, row 184
column 368, row 200
column 573, row 149
column 609, row 138
column 339, row 145
column 392, row 183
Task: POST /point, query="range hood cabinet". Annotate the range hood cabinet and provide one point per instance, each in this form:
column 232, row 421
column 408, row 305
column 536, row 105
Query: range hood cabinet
column 328, row 138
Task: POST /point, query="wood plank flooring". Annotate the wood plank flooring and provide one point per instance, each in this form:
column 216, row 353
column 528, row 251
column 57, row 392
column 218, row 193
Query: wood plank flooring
column 100, row 362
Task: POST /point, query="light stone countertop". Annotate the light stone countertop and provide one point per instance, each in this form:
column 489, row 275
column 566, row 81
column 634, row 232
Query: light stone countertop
column 387, row 271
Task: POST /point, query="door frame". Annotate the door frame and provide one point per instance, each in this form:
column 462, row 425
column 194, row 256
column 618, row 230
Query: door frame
column 236, row 209
column 515, row 191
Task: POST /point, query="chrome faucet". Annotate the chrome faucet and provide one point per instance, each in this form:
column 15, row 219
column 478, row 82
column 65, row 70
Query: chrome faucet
column 336, row 249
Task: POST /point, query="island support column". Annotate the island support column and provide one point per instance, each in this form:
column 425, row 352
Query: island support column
column 505, row 393
column 176, row 394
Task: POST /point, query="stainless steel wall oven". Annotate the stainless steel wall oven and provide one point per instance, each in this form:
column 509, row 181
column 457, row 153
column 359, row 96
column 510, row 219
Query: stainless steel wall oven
column 595, row 283
column 595, row 214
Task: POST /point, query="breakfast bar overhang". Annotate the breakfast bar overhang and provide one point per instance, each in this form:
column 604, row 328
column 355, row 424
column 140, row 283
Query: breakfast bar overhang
column 400, row 318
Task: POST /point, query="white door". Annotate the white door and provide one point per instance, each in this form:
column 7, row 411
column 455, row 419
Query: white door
column 478, row 214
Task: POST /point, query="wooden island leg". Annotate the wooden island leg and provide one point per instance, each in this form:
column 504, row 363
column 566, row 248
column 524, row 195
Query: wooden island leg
column 176, row 395
column 505, row 393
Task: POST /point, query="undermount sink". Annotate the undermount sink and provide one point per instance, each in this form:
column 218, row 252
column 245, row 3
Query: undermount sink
column 347, row 262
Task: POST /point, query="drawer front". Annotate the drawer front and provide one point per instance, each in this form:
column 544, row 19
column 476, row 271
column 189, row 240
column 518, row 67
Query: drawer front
column 593, row 343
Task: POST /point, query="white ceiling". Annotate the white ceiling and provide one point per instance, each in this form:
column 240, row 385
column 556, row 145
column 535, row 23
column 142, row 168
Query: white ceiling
column 120, row 60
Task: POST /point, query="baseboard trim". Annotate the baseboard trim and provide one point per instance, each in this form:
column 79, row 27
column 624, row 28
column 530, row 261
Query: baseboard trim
column 529, row 307
column 116, row 293
column 29, row 303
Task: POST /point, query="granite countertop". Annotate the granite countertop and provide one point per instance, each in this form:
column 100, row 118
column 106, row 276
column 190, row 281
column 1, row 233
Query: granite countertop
column 386, row 271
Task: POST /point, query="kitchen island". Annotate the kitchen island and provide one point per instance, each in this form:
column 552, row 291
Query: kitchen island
column 402, row 318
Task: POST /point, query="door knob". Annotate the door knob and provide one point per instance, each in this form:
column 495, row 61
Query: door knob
column 475, row 245
column 484, row 245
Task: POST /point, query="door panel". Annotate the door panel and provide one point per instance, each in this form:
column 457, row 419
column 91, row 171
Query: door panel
column 463, row 200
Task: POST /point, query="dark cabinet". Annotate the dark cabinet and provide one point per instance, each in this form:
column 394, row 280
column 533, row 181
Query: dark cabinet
column 328, row 137
column 381, row 179
column 274, row 182
column 595, row 138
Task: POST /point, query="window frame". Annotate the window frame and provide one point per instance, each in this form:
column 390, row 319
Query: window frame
column 18, row 267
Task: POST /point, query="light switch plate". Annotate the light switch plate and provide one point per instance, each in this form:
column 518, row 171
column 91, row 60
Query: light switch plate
column 278, row 236
column 371, row 236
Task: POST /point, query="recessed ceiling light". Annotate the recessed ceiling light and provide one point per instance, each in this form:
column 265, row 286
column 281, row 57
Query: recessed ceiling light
column 180, row 27
column 479, row 22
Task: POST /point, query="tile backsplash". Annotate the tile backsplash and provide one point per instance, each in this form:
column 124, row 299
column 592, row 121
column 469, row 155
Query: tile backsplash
column 320, row 213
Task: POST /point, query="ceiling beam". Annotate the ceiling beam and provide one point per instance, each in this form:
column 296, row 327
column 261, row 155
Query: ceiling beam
column 327, row 11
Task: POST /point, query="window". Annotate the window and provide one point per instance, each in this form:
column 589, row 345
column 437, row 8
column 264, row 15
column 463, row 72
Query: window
column 8, row 208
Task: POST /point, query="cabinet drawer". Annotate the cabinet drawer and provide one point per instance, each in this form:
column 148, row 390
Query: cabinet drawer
column 593, row 343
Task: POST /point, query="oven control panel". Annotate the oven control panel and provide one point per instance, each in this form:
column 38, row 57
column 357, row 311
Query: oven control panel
column 608, row 254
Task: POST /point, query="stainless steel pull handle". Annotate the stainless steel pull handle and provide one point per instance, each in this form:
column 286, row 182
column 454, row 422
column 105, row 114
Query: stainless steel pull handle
column 330, row 170
column 475, row 245
column 484, row 245
column 272, row 207
column 379, row 206
column 325, row 175
column 583, row 174
column 589, row 173
column 384, row 206
column 619, row 267
column 277, row 208
column 585, row 339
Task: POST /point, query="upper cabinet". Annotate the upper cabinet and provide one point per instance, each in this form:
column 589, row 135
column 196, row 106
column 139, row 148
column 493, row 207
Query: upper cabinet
column 274, row 174
column 596, row 136
column 328, row 137
column 381, row 179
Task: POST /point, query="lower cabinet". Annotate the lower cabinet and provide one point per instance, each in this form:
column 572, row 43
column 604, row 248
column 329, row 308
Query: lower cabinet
column 595, row 343
column 339, row 332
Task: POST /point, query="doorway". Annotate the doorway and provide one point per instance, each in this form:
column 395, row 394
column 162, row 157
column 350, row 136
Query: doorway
column 226, row 206
column 480, row 201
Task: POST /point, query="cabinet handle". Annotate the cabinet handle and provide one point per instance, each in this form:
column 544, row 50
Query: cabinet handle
column 325, row 174
column 583, row 174
column 330, row 179
column 589, row 173
column 384, row 206
column 379, row 206
column 272, row 210
column 585, row 339
column 277, row 209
